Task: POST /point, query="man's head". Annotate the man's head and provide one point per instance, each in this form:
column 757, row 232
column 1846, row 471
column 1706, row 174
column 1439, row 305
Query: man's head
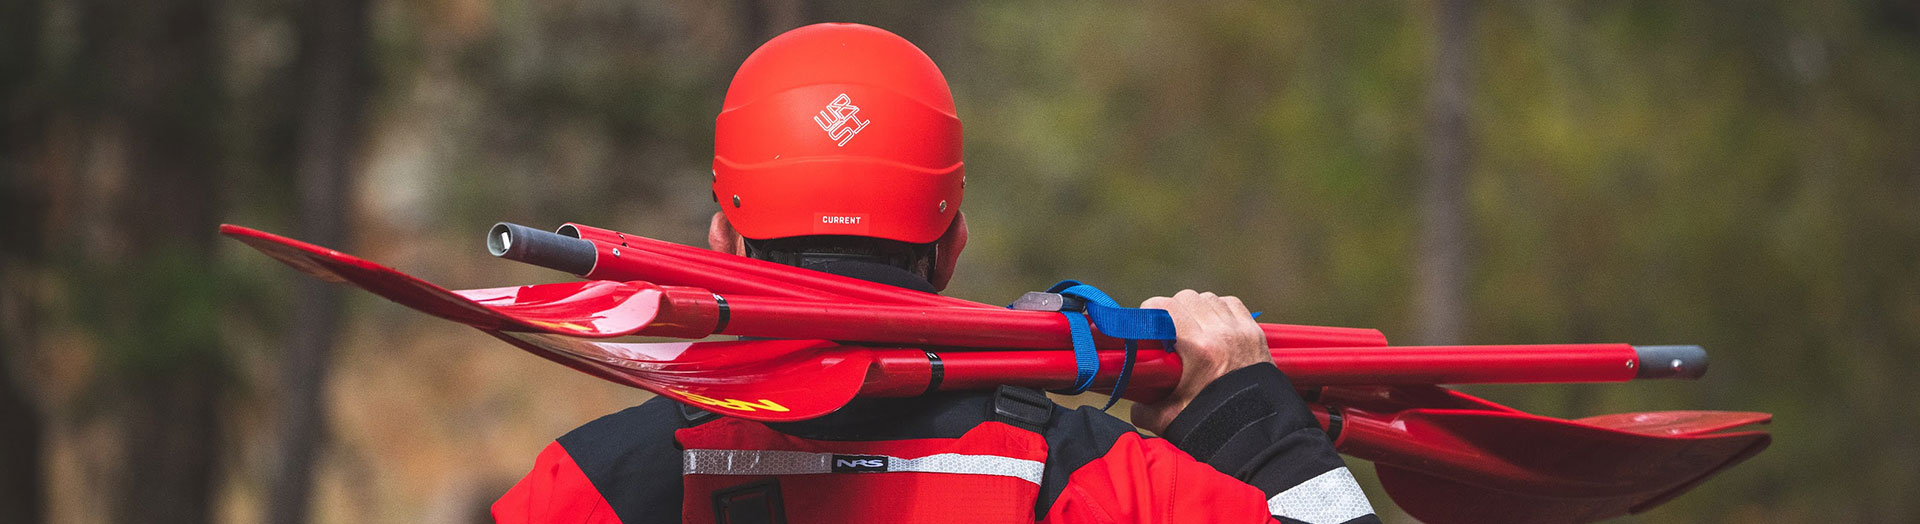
column 839, row 143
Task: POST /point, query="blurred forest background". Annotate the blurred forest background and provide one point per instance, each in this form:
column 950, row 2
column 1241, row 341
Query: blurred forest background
column 1741, row 175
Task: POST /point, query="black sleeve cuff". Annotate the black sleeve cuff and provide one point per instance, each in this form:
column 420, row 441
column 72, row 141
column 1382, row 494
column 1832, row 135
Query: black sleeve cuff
column 1250, row 424
column 1256, row 394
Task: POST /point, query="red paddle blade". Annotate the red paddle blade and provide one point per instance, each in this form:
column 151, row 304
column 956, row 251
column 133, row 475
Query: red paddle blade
column 584, row 309
column 1678, row 423
column 1566, row 472
column 764, row 380
column 772, row 380
column 1446, row 457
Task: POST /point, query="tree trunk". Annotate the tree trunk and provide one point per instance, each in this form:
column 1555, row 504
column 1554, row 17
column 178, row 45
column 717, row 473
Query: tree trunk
column 1440, row 294
column 23, row 210
column 333, row 71
column 20, row 426
column 150, row 98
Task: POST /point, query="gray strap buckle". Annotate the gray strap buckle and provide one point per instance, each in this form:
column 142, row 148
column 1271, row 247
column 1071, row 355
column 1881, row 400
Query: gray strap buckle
column 1041, row 301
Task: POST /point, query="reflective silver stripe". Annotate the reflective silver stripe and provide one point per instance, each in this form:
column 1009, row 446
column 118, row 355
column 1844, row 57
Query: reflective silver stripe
column 1027, row 470
column 1331, row 498
column 770, row 462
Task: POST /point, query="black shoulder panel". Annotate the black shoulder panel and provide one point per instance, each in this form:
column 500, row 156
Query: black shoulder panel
column 1074, row 439
column 631, row 459
column 940, row 415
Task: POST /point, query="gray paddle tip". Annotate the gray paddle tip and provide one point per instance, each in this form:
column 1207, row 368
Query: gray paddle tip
column 1675, row 362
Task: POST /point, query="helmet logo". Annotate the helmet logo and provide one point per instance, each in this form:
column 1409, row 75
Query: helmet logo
column 841, row 119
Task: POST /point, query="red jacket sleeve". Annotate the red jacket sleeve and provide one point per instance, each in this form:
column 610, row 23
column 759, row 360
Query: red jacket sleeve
column 555, row 491
column 1142, row 480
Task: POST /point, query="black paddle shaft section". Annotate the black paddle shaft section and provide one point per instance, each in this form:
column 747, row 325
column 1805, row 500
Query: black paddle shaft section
column 1683, row 362
column 549, row 250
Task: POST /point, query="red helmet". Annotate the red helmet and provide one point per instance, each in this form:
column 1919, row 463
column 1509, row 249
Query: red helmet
column 838, row 129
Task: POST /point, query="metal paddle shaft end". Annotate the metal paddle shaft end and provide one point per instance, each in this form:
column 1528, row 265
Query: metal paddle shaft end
column 1671, row 362
column 541, row 248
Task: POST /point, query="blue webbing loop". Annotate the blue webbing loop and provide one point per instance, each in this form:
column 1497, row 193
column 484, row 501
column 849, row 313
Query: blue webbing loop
column 1086, row 360
column 1116, row 321
column 1128, row 324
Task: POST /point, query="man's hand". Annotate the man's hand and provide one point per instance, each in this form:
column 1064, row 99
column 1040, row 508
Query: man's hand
column 1217, row 335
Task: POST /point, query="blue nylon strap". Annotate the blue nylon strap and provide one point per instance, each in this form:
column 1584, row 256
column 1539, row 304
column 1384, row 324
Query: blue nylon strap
column 1127, row 324
column 1116, row 321
column 1086, row 361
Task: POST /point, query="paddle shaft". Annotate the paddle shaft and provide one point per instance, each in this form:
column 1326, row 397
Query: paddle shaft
column 978, row 348
column 642, row 258
column 774, row 300
column 907, row 372
column 994, row 328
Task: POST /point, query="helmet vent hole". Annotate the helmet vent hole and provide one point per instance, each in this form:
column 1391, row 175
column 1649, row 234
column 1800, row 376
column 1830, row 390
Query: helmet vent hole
column 736, row 201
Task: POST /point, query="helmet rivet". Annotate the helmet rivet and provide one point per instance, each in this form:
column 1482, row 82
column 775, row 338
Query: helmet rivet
column 616, row 252
column 736, row 201
column 943, row 206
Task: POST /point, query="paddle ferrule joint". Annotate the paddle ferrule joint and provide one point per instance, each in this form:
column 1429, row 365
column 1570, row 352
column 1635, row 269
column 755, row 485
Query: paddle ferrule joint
column 936, row 373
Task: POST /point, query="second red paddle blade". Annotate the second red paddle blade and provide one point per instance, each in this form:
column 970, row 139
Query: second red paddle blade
column 583, row 309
